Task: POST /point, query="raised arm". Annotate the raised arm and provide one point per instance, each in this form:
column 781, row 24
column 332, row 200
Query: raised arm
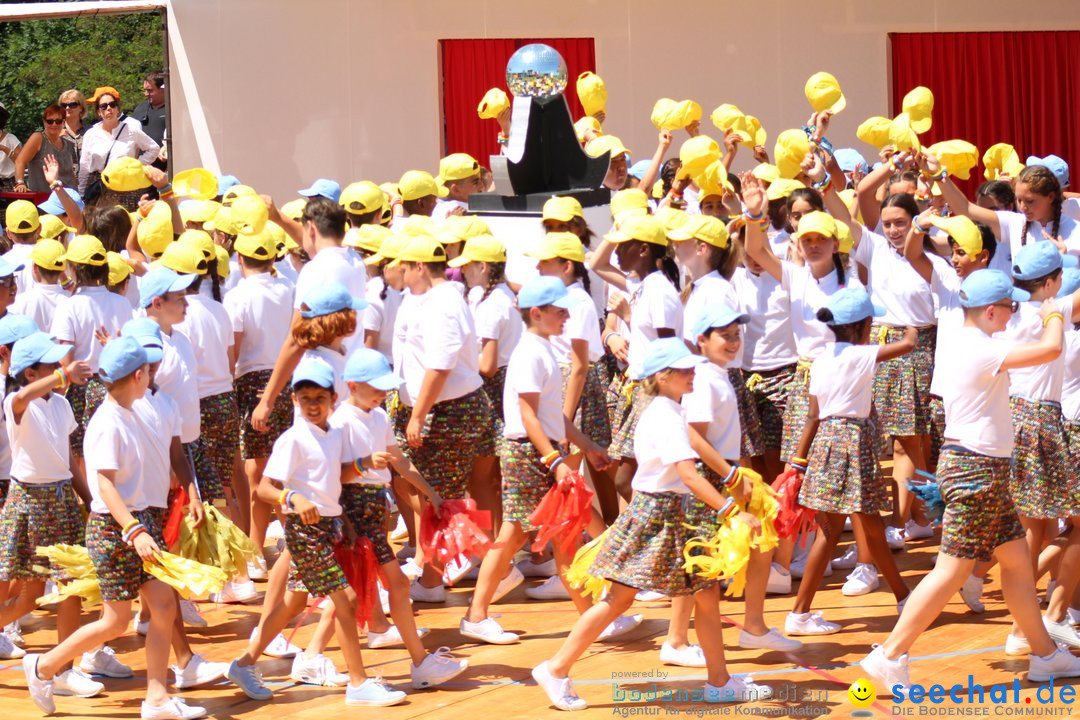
column 600, row 262
column 757, row 243
column 956, row 199
column 913, row 246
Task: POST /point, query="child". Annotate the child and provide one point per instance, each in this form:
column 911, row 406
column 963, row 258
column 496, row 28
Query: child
column 384, row 294
column 40, row 299
column 23, row 229
column 842, row 475
column 122, row 532
column 303, row 475
column 980, row 520
column 644, row 550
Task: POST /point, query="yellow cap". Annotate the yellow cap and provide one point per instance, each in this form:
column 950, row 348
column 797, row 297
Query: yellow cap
column 562, row 209
column 729, row 117
column 361, row 198
column 367, row 237
column 845, row 241
column 585, row 124
column 999, row 159
column 294, row 209
column 421, row 247
column 755, row 133
column 390, row 248
column 457, row 166
column 713, row 180
column 606, row 143
column 85, row 250
column 958, row 157
column 227, row 220
column 237, row 191
column 197, row 183
column 282, row 242
column 918, row 105
column 704, row 228
column 223, row 268
column 249, row 211
column 766, row 172
column 118, row 268
column 823, row 92
column 874, row 131
column 415, row 184
column 53, row 227
column 565, row 245
column 901, row 136
column 199, row 211
column 261, row 245
column 781, row 188
column 815, row 222
column 48, row 254
column 198, row 239
column 629, row 202
column 592, row 93
column 124, row 174
column 22, row 217
column 696, row 154
column 155, row 231
column 184, row 258
column 646, row 229
column 668, row 114
column 494, row 103
column 671, row 218
column 790, row 150
column 482, row 248
column 459, row 228
column 960, row 230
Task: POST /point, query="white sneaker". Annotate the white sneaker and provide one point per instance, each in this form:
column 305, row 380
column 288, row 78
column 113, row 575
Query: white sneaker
column 531, row 569
column 174, row 708
column 41, row 691
column 191, row 614
column 848, row 560
column 1062, row 632
column 437, row 668
column 619, row 627
column 550, row 589
column 317, row 670
column 971, row 593
column 9, row 650
column 737, row 689
column 249, row 679
column 236, row 592
column 279, row 647
column 411, row 569
column 689, row 656
column 808, row 624
column 1074, row 616
column 798, row 567
column 407, row 552
column 256, row 568
column 139, row 625
column 421, row 593
column 487, row 631
column 76, row 682
column 915, row 531
column 103, row 662
column 14, row 633
column 847, row 524
column 1017, row 645
column 507, row 584
column 862, row 580
column 888, row 672
column 391, row 637
column 779, row 580
column 1060, row 663
column 400, row 531
column 650, row 596
column 457, row 569
column 894, row 537
column 772, row 640
column 373, row 693
column 199, row 671
column 560, row 691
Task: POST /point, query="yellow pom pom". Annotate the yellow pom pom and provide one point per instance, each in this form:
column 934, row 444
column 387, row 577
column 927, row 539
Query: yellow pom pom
column 74, row 563
column 188, row 577
column 578, row 572
column 723, row 557
column 219, row 542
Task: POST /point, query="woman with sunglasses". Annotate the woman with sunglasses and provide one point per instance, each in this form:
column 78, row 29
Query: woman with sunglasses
column 73, row 103
column 115, row 135
column 48, row 142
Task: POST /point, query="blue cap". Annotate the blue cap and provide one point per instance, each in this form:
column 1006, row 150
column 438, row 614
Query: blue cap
column 159, row 281
column 545, row 290
column 36, row 348
column 224, row 182
column 718, row 316
column 1070, row 282
column 371, row 366
column 1039, row 259
column 850, row 159
column 148, row 333
column 14, row 326
column 1056, row 165
column 120, row 357
column 326, row 299
column 986, row 287
column 638, row 169
column 326, row 188
column 7, row 268
column 53, row 206
column 665, row 353
column 316, row 370
column 850, row 305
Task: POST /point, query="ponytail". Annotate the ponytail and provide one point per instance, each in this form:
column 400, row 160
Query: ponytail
column 841, row 276
column 496, row 275
column 582, row 273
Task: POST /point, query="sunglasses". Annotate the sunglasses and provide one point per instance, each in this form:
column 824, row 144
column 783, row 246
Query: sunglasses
column 69, row 105
column 104, row 105
column 55, row 121
column 1013, row 306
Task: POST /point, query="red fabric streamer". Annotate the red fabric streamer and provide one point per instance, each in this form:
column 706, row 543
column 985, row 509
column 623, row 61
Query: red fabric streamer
column 563, row 513
column 792, row 520
column 178, row 503
column 458, row 530
column 362, row 570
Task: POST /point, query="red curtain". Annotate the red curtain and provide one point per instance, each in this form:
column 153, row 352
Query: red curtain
column 1022, row 88
column 471, row 67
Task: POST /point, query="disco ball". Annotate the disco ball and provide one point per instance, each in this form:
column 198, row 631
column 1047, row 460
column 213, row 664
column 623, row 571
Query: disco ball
column 536, row 70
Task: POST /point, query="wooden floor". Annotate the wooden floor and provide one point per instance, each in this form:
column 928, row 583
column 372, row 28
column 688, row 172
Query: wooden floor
column 497, row 683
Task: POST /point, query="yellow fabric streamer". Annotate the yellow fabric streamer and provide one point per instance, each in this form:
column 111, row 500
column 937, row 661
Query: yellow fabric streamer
column 753, row 381
column 723, row 557
column 218, row 543
column 188, row 577
column 628, row 392
column 74, row 562
column 883, row 334
column 802, row 367
column 578, row 572
column 764, row 505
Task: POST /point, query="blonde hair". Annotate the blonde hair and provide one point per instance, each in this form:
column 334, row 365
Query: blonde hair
column 651, row 385
column 73, row 96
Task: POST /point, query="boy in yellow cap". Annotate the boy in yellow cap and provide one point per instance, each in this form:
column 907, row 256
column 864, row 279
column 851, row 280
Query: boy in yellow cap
column 363, row 202
column 39, row 300
column 23, row 228
column 419, row 194
column 460, row 173
column 618, row 168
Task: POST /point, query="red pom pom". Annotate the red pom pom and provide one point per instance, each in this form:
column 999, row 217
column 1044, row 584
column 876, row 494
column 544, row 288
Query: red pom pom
column 563, row 513
column 458, row 530
column 793, row 519
column 178, row 503
column 362, row 571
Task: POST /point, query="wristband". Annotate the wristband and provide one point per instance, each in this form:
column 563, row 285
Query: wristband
column 289, row 500
column 823, row 186
column 761, row 219
column 558, row 461
column 608, row 339
column 166, row 195
column 733, row 476
column 127, row 528
column 281, row 497
column 63, row 377
column 133, row 532
column 919, row 228
column 675, row 194
column 729, row 508
column 54, row 185
column 167, row 187
column 550, row 457
column 358, row 466
column 940, row 177
column 1051, row 316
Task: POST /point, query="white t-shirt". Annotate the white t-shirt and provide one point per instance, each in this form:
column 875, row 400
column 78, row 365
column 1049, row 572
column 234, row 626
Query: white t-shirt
column 1070, row 390
column 406, row 325
column 1012, row 227
column 497, row 318
column 654, row 304
column 112, row 442
column 778, row 241
column 365, row 433
column 39, row 442
column 442, row 338
column 713, row 402
column 286, row 270
column 380, row 314
column 445, row 206
column 1071, row 208
column 260, row 307
column 159, row 423
column 332, row 264
column 308, row 459
column 208, row 327
column 976, row 394
column 842, row 380
column 945, row 284
column 39, row 303
column 7, row 165
column 808, row 295
column 533, row 369
column 19, row 254
column 78, row 316
column 1039, row 382
column 661, row 440
column 709, row 291
column 583, row 324
column 894, row 284
column 768, row 343
column 176, row 378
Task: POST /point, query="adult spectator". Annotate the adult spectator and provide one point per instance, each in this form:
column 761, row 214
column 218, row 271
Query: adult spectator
column 9, row 150
column 50, row 141
column 151, row 112
column 74, row 104
column 114, row 135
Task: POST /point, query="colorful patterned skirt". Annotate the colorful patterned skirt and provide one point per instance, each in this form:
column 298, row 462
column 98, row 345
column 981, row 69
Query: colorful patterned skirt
column 119, row 568
column 36, row 515
column 84, row 399
column 313, row 560
column 622, row 439
column 206, row 477
column 365, row 506
column 902, row 385
column 1041, row 483
column 248, row 388
column 768, row 392
column 937, row 431
column 798, row 406
column 1072, row 436
column 219, row 437
column 493, row 387
column 843, row 475
column 592, row 412
column 979, row 511
column 752, row 442
column 644, row 549
column 525, row 481
column 698, row 514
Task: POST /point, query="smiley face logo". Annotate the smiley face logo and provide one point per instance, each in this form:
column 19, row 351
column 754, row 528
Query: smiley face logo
column 862, row 693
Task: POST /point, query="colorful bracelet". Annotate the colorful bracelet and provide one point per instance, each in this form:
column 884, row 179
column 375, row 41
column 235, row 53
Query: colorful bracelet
column 1051, row 316
column 732, row 476
column 940, row 177
column 127, row 528
column 55, row 184
column 729, row 508
column 133, row 532
column 166, row 195
column 558, row 461
column 550, row 457
column 281, row 497
column 608, row 339
column 289, row 500
column 358, row 466
column 761, row 219
column 63, row 378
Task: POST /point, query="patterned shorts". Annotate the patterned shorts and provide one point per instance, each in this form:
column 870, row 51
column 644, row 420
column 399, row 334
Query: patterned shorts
column 979, row 512
column 365, row 507
column 493, row 387
column 525, row 481
column 4, row 491
column 313, row 561
column 219, row 433
column 37, row 515
column 248, row 388
column 768, row 391
column 622, row 438
column 1072, row 435
column 592, row 413
column 119, row 567
column 937, row 431
column 453, row 431
column 644, row 549
column 843, row 475
column 85, row 400
column 1040, row 483
column 698, row 514
column 753, row 439
column 902, row 385
column 798, row 406
column 206, row 477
